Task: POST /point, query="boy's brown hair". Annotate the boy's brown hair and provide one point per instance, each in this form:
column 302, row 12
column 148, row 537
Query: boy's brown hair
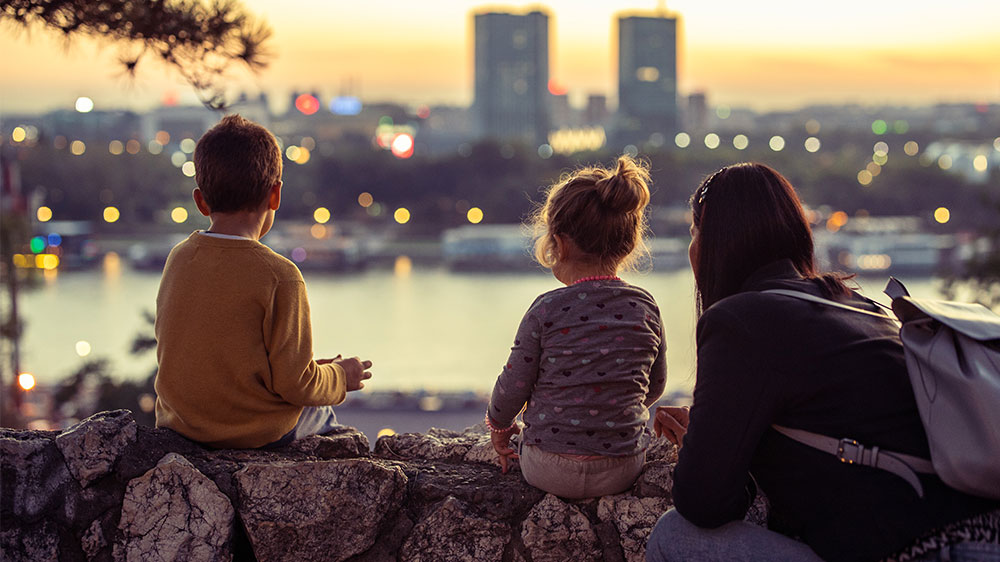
column 236, row 163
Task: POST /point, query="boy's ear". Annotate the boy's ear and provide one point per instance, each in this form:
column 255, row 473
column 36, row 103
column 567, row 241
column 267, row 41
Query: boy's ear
column 199, row 201
column 274, row 197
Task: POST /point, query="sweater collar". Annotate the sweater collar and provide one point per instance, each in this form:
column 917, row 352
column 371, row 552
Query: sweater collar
column 780, row 270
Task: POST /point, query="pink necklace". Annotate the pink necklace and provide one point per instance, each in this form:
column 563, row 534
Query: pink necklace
column 598, row 278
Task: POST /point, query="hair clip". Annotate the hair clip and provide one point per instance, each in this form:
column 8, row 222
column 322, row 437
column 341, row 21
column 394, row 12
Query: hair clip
column 704, row 187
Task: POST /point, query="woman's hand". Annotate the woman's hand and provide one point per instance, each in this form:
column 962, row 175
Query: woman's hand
column 671, row 422
column 501, row 443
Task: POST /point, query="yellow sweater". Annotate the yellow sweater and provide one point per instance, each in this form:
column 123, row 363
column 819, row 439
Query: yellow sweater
column 234, row 345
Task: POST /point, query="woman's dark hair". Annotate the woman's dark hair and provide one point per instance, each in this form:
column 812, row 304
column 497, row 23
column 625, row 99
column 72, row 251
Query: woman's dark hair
column 748, row 216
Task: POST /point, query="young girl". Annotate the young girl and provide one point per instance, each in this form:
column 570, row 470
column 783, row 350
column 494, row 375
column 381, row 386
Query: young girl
column 588, row 358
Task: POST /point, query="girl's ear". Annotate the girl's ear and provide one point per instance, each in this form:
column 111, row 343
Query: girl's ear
column 560, row 247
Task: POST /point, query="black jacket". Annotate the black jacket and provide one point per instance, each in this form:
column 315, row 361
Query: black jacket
column 769, row 359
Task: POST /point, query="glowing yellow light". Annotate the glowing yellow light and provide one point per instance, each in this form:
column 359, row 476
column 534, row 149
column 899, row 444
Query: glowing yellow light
column 942, row 215
column 44, row 214
column 26, row 381
column 874, row 261
column 385, row 432
column 740, row 142
column 162, row 137
column 111, row 214
column 682, row 140
column 980, row 163
column 864, row 177
column 812, row 126
column 712, row 141
column 403, row 266
column 318, row 231
column 116, row 147
column 187, row 169
column 647, row 73
column 147, row 402
column 570, row 140
column 777, row 143
column 812, row 144
column 178, row 159
column 402, row 146
column 18, row 134
column 46, row 261
column 77, row 147
column 475, row 215
column 911, row 148
column 944, row 162
column 20, row 260
column 873, row 168
column 179, row 215
column 996, row 144
column 292, row 153
column 187, row 145
column 881, row 147
column 365, row 199
column 321, row 215
column 402, row 215
column 303, row 156
column 723, row 112
column 84, row 104
column 839, row 217
column 83, row 348
column 880, row 158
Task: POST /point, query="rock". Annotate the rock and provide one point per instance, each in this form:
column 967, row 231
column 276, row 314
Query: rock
column 454, row 533
column 93, row 540
column 39, row 541
column 318, row 510
column 482, row 451
column 34, row 480
column 757, row 514
column 656, row 480
column 634, row 518
column 661, row 449
column 497, row 496
column 555, row 531
column 346, row 442
column 423, row 446
column 174, row 512
column 92, row 446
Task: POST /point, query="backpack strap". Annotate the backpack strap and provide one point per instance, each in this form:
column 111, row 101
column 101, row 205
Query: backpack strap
column 820, row 300
column 851, row 452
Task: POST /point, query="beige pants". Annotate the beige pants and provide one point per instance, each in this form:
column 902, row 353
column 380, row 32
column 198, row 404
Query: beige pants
column 577, row 479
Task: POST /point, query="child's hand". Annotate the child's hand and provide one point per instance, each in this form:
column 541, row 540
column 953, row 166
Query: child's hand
column 355, row 370
column 671, row 422
column 501, row 443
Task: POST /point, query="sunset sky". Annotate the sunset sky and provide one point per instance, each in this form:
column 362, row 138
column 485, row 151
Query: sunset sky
column 765, row 55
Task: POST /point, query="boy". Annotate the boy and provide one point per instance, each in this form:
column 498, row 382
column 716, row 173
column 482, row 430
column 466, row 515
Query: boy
column 234, row 340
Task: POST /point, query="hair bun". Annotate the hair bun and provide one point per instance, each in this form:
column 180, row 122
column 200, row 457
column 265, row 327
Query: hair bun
column 625, row 190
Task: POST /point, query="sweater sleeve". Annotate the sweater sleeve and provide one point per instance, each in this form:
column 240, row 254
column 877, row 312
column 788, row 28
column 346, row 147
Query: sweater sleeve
column 519, row 374
column 295, row 376
column 733, row 407
column 658, row 372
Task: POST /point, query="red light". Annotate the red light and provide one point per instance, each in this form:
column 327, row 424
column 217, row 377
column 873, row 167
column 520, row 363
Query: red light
column 556, row 89
column 402, row 146
column 423, row 112
column 307, row 104
column 170, row 99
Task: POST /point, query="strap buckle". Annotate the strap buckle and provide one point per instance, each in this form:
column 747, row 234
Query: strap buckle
column 857, row 453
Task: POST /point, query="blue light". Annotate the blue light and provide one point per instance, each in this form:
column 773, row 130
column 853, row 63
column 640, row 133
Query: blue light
column 54, row 239
column 345, row 105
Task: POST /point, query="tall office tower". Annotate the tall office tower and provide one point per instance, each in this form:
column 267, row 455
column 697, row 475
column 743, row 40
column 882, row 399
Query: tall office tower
column 512, row 76
column 647, row 77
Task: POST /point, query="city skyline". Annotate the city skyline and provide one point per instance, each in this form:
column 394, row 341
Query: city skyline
column 771, row 55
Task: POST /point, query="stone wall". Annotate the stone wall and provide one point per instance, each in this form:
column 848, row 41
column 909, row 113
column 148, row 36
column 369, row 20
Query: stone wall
column 108, row 489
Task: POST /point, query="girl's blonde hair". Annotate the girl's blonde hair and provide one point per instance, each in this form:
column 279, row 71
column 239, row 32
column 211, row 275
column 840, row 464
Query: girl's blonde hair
column 602, row 211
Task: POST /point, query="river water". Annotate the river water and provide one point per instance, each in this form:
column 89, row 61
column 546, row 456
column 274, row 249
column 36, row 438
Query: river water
column 424, row 328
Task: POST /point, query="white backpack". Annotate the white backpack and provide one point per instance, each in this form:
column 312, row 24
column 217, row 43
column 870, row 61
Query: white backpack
column 953, row 358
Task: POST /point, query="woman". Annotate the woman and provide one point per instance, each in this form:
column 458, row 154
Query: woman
column 769, row 359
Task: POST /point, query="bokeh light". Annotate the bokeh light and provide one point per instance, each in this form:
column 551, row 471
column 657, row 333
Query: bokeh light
column 942, row 215
column 900, row 126
column 545, row 151
column 980, row 163
column 944, row 162
column 911, row 148
column 77, row 147
column 303, row 156
column 365, row 199
column 133, row 146
column 154, row 147
column 84, row 104
column 402, row 215
column 26, row 381
column 812, row 144
column 879, row 127
column 345, row 105
column 873, row 168
column 881, row 158
column 321, row 215
column 318, row 231
column 403, row 266
column 38, row 244
column 178, row 158
column 188, row 145
column 402, row 145
column 47, row 262
column 18, row 134
column 308, row 143
column 179, row 215
column 116, row 147
column 682, row 140
column 864, row 177
column 83, row 348
column 996, row 144
column 475, row 215
column 740, row 142
column 292, row 152
column 188, row 169
column 111, row 214
column 54, row 240
column 299, row 254
column 881, row 147
column 43, row 214
column 385, row 432
column 812, row 127
column 712, row 141
column 307, row 104
column 162, row 137
column 723, row 112
column 777, row 143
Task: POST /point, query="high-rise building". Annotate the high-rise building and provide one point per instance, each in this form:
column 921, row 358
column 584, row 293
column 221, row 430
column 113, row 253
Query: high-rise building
column 512, row 76
column 647, row 76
